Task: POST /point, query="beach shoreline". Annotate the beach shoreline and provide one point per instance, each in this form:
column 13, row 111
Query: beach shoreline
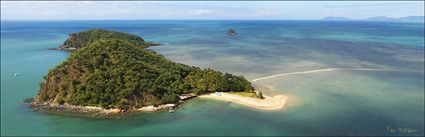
column 268, row 103
column 92, row 111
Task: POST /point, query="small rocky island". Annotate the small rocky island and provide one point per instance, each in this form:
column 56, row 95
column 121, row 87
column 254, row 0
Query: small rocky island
column 231, row 32
column 110, row 73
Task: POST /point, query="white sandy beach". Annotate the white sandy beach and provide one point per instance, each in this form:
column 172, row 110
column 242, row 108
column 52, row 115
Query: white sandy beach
column 268, row 103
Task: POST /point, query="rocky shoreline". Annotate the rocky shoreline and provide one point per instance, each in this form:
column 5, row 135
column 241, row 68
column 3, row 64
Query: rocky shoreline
column 64, row 49
column 98, row 112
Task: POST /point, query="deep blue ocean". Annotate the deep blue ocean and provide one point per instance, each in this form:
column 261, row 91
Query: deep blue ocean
column 326, row 103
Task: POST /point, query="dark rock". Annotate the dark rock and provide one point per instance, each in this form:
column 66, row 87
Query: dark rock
column 28, row 100
column 231, row 32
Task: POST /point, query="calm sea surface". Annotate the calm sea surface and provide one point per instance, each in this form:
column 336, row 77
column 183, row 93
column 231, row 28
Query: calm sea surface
column 322, row 103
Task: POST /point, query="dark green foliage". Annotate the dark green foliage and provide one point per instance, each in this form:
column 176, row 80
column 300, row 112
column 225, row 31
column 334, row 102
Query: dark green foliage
column 120, row 74
column 80, row 39
column 170, row 98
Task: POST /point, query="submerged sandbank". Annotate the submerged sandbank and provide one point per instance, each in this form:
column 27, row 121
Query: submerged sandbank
column 324, row 70
column 268, row 103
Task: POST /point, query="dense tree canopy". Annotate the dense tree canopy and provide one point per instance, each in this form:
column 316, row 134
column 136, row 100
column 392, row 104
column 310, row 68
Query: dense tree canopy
column 119, row 73
column 80, row 39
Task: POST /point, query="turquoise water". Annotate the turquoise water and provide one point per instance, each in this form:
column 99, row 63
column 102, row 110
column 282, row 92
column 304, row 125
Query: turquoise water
column 325, row 103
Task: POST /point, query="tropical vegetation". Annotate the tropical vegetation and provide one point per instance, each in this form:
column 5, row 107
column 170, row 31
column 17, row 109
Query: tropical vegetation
column 114, row 70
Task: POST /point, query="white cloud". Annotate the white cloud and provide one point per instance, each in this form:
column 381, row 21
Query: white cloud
column 265, row 13
column 202, row 11
column 69, row 10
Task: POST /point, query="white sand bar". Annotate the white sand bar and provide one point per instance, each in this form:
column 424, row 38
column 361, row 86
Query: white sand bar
column 268, row 103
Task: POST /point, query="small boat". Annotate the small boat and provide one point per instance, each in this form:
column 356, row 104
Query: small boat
column 16, row 74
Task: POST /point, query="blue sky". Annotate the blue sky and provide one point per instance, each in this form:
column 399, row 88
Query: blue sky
column 291, row 10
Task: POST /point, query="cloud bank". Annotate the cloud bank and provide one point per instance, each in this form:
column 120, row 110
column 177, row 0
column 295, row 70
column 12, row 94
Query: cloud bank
column 123, row 10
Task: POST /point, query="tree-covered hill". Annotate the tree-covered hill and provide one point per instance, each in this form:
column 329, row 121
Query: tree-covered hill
column 80, row 39
column 118, row 73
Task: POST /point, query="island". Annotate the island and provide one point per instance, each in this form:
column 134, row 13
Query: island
column 231, row 32
column 80, row 39
column 110, row 73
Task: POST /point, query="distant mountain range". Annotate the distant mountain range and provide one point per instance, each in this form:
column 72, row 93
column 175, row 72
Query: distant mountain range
column 416, row 19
